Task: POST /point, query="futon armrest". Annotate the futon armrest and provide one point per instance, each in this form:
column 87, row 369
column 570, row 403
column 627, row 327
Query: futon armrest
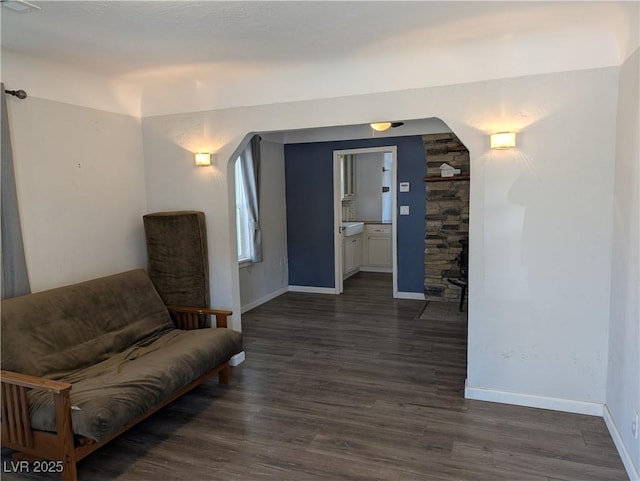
column 16, row 416
column 33, row 382
column 191, row 317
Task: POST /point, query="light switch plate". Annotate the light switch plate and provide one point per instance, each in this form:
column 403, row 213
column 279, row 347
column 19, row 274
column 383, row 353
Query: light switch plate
column 405, row 186
column 404, row 210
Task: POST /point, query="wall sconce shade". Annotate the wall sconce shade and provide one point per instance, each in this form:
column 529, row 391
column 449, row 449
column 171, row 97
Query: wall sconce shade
column 503, row 140
column 203, row 159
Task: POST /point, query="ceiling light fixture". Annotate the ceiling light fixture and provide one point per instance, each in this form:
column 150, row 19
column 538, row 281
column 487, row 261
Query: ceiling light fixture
column 382, row 126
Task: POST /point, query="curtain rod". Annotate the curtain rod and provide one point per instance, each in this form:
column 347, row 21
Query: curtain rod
column 21, row 94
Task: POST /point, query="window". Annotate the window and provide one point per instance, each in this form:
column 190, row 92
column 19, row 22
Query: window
column 242, row 215
column 247, row 174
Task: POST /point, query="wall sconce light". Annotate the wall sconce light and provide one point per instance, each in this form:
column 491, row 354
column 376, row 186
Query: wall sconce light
column 203, row 159
column 503, row 140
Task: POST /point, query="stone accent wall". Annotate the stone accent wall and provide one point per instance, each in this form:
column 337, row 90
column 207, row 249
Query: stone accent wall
column 447, row 220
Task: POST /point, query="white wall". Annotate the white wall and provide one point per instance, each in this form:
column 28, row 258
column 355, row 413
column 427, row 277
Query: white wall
column 368, row 200
column 540, row 249
column 623, row 382
column 540, row 254
column 48, row 80
column 387, row 181
column 80, row 180
column 262, row 281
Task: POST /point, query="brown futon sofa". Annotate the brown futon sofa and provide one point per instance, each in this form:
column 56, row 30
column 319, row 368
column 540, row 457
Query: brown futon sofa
column 83, row 363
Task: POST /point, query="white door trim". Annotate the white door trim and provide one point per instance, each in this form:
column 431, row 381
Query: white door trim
column 337, row 211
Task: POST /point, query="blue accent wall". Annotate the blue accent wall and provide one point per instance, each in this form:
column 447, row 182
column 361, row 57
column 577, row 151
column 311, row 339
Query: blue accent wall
column 309, row 194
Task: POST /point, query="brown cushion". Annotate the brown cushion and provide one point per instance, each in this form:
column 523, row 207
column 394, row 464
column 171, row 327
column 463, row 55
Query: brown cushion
column 109, row 395
column 177, row 255
column 53, row 333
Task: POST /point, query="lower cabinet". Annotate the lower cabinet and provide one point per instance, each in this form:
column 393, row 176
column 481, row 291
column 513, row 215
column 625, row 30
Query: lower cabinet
column 377, row 256
column 370, row 251
column 351, row 255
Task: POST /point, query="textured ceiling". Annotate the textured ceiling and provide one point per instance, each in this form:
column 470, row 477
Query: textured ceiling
column 117, row 38
column 133, row 56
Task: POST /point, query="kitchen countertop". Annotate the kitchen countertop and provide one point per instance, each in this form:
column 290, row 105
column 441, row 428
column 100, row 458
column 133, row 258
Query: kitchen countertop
column 379, row 222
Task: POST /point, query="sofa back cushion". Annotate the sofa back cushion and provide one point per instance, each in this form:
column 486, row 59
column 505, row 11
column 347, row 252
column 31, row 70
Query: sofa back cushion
column 55, row 332
column 178, row 258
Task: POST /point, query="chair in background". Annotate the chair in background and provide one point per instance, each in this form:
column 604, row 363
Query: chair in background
column 463, row 264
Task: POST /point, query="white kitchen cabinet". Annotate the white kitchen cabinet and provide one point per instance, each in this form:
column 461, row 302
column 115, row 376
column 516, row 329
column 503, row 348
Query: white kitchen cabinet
column 378, row 248
column 348, row 177
column 351, row 255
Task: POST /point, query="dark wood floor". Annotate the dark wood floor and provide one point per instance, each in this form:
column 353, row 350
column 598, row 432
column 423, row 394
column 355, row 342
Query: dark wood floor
column 352, row 387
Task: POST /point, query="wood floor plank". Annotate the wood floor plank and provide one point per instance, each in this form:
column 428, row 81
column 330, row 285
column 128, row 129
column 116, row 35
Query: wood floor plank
column 351, row 387
column 510, row 461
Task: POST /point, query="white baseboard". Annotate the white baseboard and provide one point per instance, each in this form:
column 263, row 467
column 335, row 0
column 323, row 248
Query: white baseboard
column 557, row 404
column 532, row 401
column 237, row 359
column 632, row 472
column 262, row 300
column 345, row 277
column 313, row 290
column 418, row 296
column 376, row 269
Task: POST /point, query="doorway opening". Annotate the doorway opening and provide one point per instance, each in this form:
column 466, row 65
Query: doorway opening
column 365, row 224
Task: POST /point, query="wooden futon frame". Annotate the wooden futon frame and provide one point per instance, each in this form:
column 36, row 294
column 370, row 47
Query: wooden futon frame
column 60, row 451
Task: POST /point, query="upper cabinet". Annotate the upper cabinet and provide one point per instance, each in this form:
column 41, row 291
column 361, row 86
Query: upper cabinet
column 348, row 177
